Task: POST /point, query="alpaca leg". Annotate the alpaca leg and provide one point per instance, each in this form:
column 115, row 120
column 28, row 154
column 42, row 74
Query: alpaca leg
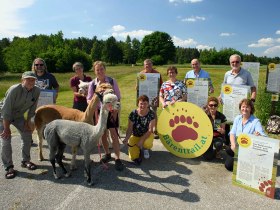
column 88, row 169
column 40, row 144
column 73, row 165
column 52, row 160
column 59, row 157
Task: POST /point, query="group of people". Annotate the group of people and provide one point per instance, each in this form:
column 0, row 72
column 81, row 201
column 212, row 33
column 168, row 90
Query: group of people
column 21, row 100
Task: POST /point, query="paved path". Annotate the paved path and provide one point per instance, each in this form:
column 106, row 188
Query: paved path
column 163, row 182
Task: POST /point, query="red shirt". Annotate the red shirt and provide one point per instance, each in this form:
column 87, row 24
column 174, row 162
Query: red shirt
column 74, row 82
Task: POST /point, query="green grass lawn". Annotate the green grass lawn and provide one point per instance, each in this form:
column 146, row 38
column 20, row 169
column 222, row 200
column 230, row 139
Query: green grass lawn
column 126, row 78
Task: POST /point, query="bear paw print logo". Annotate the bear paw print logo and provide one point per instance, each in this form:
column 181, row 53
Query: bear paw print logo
column 244, row 140
column 271, row 66
column 142, row 77
column 227, row 89
column 184, row 128
column 190, row 83
column 266, row 187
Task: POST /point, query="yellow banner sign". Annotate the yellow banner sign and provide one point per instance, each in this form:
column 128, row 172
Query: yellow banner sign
column 185, row 130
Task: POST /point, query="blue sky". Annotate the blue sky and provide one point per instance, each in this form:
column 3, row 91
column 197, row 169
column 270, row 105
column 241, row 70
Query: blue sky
column 250, row 26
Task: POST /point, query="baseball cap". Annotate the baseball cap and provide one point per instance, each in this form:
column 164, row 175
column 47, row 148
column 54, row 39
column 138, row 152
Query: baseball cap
column 28, row 74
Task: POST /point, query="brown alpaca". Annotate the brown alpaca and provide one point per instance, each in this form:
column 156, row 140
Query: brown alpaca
column 46, row 114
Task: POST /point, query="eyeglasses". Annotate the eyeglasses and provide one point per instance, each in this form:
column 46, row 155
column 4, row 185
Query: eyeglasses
column 235, row 61
column 213, row 105
column 39, row 64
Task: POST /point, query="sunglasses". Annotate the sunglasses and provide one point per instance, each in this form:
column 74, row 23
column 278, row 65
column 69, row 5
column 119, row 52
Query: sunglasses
column 39, row 64
column 213, row 105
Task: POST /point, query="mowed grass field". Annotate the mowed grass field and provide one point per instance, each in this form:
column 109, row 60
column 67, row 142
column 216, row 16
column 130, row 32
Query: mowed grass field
column 126, row 79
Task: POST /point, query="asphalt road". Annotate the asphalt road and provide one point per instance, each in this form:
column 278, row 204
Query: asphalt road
column 162, row 182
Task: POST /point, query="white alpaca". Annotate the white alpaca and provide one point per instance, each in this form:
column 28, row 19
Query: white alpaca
column 83, row 88
column 46, row 114
column 60, row 133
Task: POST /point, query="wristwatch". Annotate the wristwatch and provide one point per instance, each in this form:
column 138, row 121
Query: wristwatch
column 254, row 100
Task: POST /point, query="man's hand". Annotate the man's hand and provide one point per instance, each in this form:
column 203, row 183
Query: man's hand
column 6, row 134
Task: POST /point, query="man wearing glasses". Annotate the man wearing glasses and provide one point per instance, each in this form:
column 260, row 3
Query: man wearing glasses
column 45, row 80
column 239, row 76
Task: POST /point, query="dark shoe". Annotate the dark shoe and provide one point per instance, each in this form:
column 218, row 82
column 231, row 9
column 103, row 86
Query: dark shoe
column 106, row 158
column 29, row 165
column 137, row 161
column 119, row 165
column 10, row 174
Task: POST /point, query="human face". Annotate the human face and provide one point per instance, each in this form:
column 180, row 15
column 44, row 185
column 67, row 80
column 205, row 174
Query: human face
column 143, row 105
column 245, row 110
column 195, row 65
column 39, row 67
column 99, row 71
column 79, row 70
column 212, row 105
column 28, row 83
column 172, row 74
column 235, row 63
column 148, row 66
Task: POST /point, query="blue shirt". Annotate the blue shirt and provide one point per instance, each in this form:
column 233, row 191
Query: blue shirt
column 201, row 74
column 250, row 127
column 244, row 77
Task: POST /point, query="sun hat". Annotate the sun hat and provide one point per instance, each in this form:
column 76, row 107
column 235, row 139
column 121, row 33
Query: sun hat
column 28, row 74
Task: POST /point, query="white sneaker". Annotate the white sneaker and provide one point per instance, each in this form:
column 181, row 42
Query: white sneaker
column 146, row 154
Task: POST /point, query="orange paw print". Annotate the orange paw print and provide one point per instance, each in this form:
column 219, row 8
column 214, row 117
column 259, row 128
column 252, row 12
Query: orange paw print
column 183, row 132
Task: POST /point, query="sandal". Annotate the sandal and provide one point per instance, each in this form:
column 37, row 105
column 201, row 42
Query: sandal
column 10, row 174
column 28, row 165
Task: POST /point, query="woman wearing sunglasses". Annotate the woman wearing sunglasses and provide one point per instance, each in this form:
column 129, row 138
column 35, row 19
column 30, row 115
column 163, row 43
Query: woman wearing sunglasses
column 218, row 121
column 45, row 80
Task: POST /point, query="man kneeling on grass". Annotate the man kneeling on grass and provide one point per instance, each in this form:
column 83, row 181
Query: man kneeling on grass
column 139, row 133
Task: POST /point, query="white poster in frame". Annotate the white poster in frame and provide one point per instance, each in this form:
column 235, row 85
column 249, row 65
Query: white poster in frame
column 148, row 84
column 231, row 97
column 46, row 97
column 255, row 165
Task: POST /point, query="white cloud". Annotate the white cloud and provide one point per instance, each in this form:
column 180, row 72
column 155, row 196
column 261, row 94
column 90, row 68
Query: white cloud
column 139, row 34
column 203, row 47
column 264, row 42
column 273, row 51
column 226, row 34
column 183, row 43
column 193, row 19
column 185, row 1
column 277, row 32
column 118, row 28
column 11, row 23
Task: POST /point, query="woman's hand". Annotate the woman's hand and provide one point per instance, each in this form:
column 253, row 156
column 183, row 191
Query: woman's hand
column 221, row 130
column 232, row 147
column 257, row 133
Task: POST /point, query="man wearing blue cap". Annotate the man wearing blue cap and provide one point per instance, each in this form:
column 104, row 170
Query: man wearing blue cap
column 17, row 108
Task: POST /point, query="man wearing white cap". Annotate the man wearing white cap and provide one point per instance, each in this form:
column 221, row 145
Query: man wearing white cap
column 18, row 107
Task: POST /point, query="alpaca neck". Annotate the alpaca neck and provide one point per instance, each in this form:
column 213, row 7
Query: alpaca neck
column 102, row 121
column 88, row 114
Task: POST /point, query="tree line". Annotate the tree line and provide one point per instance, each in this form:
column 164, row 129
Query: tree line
column 60, row 53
